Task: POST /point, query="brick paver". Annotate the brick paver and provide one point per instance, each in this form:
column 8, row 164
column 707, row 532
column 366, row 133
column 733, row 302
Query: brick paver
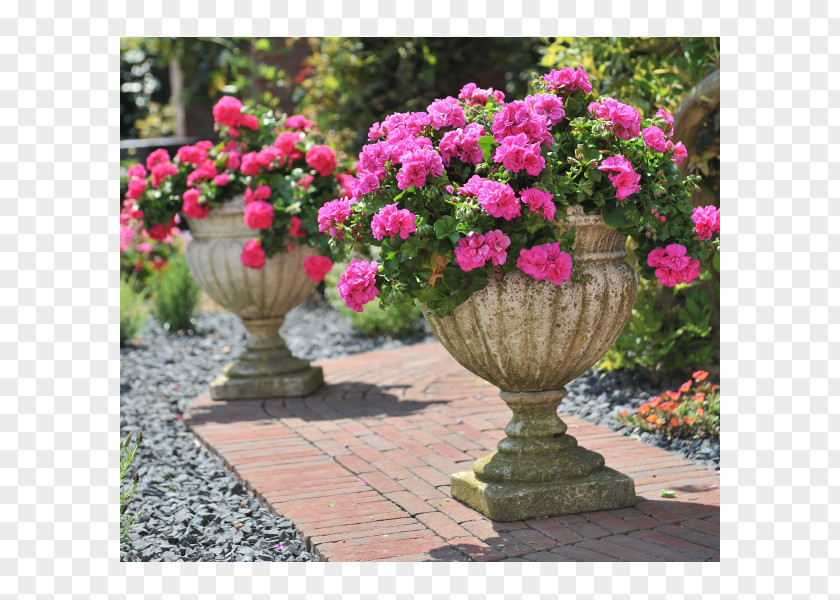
column 362, row 466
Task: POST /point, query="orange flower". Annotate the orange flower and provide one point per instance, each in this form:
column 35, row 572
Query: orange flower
column 652, row 419
column 689, row 420
column 685, row 387
column 644, row 409
column 675, row 422
column 655, row 402
column 700, row 412
column 623, row 413
column 659, row 420
column 673, row 395
column 700, row 375
column 699, row 397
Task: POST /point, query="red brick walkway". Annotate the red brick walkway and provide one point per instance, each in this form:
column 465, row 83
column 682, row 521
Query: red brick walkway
column 361, row 467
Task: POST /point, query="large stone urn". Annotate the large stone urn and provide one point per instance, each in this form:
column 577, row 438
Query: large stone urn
column 260, row 297
column 530, row 338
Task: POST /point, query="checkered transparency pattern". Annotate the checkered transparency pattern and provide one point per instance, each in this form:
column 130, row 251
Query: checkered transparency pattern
column 58, row 310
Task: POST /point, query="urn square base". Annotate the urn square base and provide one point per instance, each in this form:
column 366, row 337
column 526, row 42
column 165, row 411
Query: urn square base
column 298, row 383
column 605, row 489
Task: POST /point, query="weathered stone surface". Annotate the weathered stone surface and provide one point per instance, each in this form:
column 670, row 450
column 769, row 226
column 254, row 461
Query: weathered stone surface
column 606, row 489
column 260, row 297
column 299, row 383
column 530, row 338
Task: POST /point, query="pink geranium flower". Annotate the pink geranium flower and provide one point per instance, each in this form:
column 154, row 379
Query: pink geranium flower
column 259, row 214
column 357, row 285
column 706, row 221
column 322, row 159
column 191, row 206
column 540, row 202
column 331, row 215
column 253, row 255
column 317, row 267
column 390, row 222
column 620, row 171
column 471, row 252
column 546, row 261
column 498, row 200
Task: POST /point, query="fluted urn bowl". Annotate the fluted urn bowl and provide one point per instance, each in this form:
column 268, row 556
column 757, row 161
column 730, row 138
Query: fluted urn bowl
column 260, row 297
column 530, row 338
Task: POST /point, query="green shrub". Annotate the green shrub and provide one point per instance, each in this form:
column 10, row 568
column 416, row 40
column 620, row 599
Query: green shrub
column 133, row 309
column 395, row 320
column 672, row 331
column 127, row 451
column 176, row 296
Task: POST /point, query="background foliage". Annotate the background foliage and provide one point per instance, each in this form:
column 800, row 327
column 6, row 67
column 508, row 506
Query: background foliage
column 356, row 82
column 671, row 331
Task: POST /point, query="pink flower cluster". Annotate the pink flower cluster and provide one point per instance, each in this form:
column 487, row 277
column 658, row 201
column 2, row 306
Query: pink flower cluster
column 317, row 267
column 418, row 163
column 624, row 120
column 654, row 138
column 332, row 214
column 191, row 206
column 259, row 214
column 390, row 222
column 446, row 112
column 228, row 112
column 546, row 261
column 160, row 167
column 136, row 184
column 669, row 121
column 462, row 144
column 263, row 192
column 497, row 199
column 548, row 106
column 400, row 126
column 299, row 122
column 473, row 95
column 540, row 202
column 680, row 153
column 295, row 229
column 357, row 285
column 476, row 249
column 516, row 153
column 321, row 159
column 253, row 255
column 706, row 221
column 568, row 80
column 620, row 171
column 672, row 265
column 517, row 117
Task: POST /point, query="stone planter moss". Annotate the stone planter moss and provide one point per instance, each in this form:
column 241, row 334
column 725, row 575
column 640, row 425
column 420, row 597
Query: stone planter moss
column 530, row 338
column 260, row 297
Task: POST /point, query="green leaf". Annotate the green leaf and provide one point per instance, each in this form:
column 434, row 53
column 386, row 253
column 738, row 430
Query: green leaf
column 615, row 217
column 487, row 144
column 445, row 227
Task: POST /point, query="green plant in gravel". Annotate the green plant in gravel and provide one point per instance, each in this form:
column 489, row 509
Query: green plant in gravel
column 128, row 487
column 692, row 412
column 395, row 320
column 133, row 308
column 176, row 296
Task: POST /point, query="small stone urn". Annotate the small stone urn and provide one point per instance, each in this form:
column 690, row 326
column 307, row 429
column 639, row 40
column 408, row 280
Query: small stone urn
column 530, row 338
column 260, row 297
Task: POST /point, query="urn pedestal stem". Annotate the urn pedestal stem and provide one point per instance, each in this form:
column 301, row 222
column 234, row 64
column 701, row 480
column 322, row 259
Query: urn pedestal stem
column 539, row 470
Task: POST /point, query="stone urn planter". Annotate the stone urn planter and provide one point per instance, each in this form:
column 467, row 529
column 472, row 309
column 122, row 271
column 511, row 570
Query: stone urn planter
column 260, row 297
column 530, row 338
